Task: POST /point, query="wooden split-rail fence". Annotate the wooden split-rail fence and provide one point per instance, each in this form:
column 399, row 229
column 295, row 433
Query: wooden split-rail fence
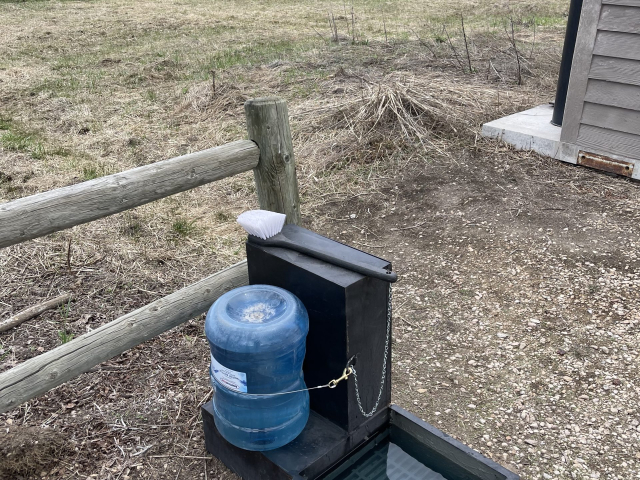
column 269, row 152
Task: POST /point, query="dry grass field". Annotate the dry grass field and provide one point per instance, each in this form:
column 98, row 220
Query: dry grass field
column 517, row 312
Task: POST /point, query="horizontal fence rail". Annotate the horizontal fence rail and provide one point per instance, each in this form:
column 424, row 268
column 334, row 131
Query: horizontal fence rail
column 269, row 152
column 49, row 212
column 50, row 369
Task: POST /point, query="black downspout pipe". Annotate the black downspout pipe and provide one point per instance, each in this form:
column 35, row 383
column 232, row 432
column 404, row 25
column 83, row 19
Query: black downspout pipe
column 565, row 64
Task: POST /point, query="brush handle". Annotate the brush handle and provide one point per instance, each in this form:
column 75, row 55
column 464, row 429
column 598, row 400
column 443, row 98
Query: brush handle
column 280, row 240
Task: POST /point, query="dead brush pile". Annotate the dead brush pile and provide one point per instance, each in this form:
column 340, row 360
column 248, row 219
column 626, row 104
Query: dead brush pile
column 378, row 118
column 206, row 98
column 27, row 451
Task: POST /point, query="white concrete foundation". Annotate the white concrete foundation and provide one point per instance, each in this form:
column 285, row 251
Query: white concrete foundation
column 532, row 130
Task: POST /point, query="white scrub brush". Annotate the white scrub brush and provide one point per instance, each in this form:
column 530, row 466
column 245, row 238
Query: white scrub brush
column 268, row 229
column 262, row 223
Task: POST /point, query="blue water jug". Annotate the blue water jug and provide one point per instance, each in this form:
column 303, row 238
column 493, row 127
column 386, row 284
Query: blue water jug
column 257, row 336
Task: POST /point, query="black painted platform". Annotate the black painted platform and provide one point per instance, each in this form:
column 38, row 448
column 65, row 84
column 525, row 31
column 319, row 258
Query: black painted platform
column 323, row 450
column 321, row 445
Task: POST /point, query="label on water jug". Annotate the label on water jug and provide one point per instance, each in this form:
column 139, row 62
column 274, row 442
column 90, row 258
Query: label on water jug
column 229, row 378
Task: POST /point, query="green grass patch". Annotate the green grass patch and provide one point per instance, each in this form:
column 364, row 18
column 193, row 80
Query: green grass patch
column 61, row 152
column 4, row 351
column 5, row 123
column 17, row 141
column 133, row 226
column 183, row 227
column 16, row 138
column 65, row 336
column 223, row 217
column 252, row 54
column 151, row 95
column 63, row 86
column 464, row 292
column 69, row 83
column 95, row 170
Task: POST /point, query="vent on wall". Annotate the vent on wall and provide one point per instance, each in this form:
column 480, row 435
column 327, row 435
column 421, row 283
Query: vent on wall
column 606, row 164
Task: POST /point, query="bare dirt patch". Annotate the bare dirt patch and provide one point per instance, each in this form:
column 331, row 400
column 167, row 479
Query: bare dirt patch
column 516, row 321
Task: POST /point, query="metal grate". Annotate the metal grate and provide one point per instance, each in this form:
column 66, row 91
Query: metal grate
column 387, row 461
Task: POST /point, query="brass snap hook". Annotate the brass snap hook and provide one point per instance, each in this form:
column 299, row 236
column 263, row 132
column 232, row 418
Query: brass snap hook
column 345, row 374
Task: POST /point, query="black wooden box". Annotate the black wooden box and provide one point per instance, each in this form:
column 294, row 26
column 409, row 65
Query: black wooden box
column 347, row 322
column 347, row 318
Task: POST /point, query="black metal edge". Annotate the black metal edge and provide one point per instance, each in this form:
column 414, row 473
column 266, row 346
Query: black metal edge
column 252, row 465
column 360, row 255
column 448, row 446
column 568, row 50
column 369, row 428
column 355, row 355
column 314, row 444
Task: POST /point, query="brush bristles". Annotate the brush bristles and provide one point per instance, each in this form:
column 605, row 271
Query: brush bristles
column 262, row 223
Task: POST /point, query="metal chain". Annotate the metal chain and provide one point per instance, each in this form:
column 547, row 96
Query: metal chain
column 384, row 365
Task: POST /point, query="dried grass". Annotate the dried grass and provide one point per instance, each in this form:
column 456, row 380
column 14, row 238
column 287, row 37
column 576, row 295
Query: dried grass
column 416, row 107
column 380, row 116
column 227, row 98
column 145, row 108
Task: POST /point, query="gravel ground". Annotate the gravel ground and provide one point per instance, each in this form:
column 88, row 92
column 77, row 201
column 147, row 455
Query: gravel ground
column 517, row 312
column 516, row 322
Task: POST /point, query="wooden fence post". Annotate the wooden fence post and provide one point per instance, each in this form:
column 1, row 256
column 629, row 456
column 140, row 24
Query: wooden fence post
column 275, row 175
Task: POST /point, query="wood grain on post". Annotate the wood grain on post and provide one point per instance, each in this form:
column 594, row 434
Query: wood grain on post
column 48, row 212
column 34, row 311
column 275, row 175
column 46, row 371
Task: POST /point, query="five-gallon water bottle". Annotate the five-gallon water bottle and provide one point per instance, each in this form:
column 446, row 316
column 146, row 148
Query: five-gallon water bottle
column 257, row 336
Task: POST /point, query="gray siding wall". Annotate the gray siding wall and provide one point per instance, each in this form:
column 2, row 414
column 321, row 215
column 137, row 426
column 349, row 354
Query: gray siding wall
column 603, row 106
